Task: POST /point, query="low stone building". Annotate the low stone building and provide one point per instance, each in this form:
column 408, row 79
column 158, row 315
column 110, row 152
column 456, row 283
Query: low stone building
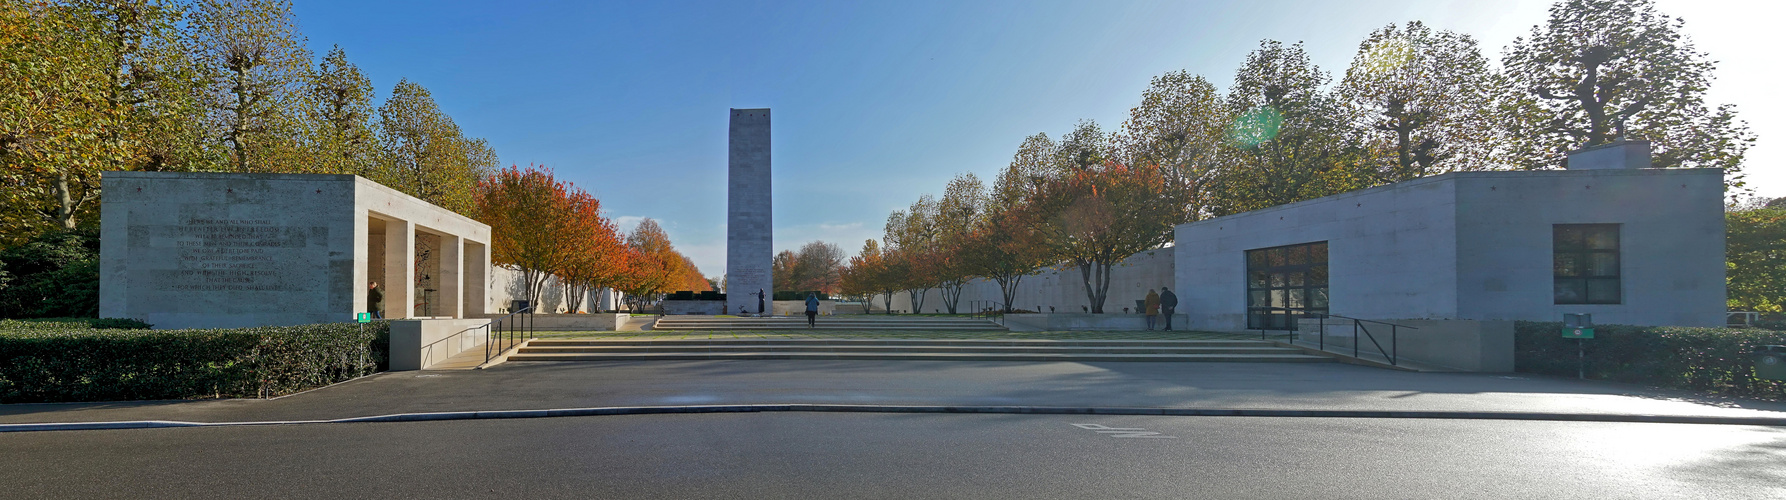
column 1607, row 236
column 214, row 250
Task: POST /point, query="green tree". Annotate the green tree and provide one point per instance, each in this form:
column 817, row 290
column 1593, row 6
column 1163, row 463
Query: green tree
column 1181, row 126
column 253, row 57
column 1755, row 244
column 1288, row 135
column 1419, row 96
column 958, row 214
column 1600, row 70
column 338, row 118
column 426, row 154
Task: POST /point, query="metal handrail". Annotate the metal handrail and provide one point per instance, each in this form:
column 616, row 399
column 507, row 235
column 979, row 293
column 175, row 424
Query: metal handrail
column 495, row 331
column 1358, row 326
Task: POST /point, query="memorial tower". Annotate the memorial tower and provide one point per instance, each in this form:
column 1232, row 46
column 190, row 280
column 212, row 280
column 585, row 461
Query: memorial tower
column 749, row 224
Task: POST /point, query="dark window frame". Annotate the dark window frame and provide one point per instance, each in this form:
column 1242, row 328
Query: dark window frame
column 1576, row 277
column 1294, row 276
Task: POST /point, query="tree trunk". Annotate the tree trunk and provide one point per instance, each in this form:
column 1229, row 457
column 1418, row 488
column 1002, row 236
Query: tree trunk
column 952, row 294
column 1092, row 295
column 65, row 204
column 1007, row 287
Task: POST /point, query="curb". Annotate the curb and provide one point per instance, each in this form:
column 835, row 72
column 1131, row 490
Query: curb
column 1023, row 410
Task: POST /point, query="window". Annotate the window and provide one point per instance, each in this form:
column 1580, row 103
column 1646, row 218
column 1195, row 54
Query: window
column 1586, row 263
column 1284, row 283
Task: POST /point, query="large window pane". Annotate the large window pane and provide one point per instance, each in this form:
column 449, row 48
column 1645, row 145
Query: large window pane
column 1604, row 264
column 1602, row 238
column 1284, row 283
column 1571, row 291
column 1568, row 237
column 1568, row 265
column 1603, row 291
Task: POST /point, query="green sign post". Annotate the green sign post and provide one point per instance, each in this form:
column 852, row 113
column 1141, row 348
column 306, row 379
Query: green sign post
column 365, row 317
column 1579, row 327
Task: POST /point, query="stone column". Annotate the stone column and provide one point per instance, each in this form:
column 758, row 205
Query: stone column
column 399, row 269
column 452, row 277
column 749, row 221
column 476, row 279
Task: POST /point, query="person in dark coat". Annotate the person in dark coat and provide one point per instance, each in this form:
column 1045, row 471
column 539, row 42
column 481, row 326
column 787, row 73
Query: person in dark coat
column 1168, row 304
column 812, row 310
column 375, row 300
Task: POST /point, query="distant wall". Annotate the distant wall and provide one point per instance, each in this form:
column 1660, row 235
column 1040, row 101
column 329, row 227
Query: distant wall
column 506, row 286
column 1063, row 288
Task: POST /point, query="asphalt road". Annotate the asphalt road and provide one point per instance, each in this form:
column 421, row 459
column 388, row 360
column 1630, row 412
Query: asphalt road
column 544, row 385
column 792, row 455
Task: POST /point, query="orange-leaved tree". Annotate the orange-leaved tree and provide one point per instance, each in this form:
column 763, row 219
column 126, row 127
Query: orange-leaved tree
column 597, row 257
column 530, row 230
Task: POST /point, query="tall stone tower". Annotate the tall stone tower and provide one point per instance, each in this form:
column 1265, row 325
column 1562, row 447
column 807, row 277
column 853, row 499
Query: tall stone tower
column 749, row 224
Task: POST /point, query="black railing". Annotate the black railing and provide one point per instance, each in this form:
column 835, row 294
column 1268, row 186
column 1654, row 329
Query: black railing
column 988, row 309
column 1358, row 326
column 507, row 332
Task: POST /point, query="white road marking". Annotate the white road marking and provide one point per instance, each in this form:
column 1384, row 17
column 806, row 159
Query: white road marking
column 1124, row 432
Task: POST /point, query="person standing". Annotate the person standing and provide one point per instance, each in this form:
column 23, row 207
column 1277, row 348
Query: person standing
column 375, row 300
column 759, row 302
column 1168, row 304
column 812, row 309
column 1152, row 303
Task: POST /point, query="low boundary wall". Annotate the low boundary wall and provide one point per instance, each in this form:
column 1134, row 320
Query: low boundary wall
column 420, row 343
column 1049, row 322
column 1463, row 345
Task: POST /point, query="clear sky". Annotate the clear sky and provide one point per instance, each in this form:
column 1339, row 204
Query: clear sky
column 876, row 104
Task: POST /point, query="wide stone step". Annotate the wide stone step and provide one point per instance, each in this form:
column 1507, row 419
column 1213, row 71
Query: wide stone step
column 901, row 342
column 977, row 356
column 905, row 349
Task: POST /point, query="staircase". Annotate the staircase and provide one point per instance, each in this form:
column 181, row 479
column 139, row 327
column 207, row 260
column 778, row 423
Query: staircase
column 1227, row 351
column 852, row 322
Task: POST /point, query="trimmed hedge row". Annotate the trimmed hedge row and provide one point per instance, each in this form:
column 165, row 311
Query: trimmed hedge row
column 1710, row 360
column 57, row 362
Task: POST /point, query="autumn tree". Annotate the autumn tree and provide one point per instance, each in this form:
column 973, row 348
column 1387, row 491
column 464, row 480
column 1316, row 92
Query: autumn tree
column 1599, row 70
column 597, row 257
column 1097, row 217
column 1419, row 98
column 427, row 156
column 1006, row 245
column 867, row 275
column 530, row 229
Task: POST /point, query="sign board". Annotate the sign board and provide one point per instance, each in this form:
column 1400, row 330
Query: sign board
column 1578, row 326
column 1578, row 333
column 364, row 317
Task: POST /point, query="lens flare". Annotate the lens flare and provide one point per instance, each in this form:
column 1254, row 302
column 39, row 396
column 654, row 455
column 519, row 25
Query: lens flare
column 1255, row 127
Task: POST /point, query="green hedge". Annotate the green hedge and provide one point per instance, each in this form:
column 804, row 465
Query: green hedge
column 1710, row 360
column 63, row 361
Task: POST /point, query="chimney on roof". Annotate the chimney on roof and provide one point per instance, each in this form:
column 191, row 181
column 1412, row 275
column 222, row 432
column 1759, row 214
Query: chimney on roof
column 1619, row 155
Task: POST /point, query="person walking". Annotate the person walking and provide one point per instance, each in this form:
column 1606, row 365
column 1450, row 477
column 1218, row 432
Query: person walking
column 1153, row 307
column 1168, row 304
column 812, row 309
column 375, row 300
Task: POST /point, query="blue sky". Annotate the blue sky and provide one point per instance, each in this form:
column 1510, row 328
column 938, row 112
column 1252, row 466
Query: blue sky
column 876, row 104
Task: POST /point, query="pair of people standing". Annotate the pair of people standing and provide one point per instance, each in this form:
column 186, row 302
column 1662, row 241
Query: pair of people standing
column 1160, row 303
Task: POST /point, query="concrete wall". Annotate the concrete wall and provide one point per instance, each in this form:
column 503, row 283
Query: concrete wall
column 708, row 307
column 1081, row 321
column 1477, row 245
column 750, row 222
column 506, row 285
column 421, row 343
column 1062, row 288
column 1390, row 253
column 212, row 250
column 224, row 250
column 574, row 322
column 1671, row 248
column 798, row 308
column 1462, row 345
